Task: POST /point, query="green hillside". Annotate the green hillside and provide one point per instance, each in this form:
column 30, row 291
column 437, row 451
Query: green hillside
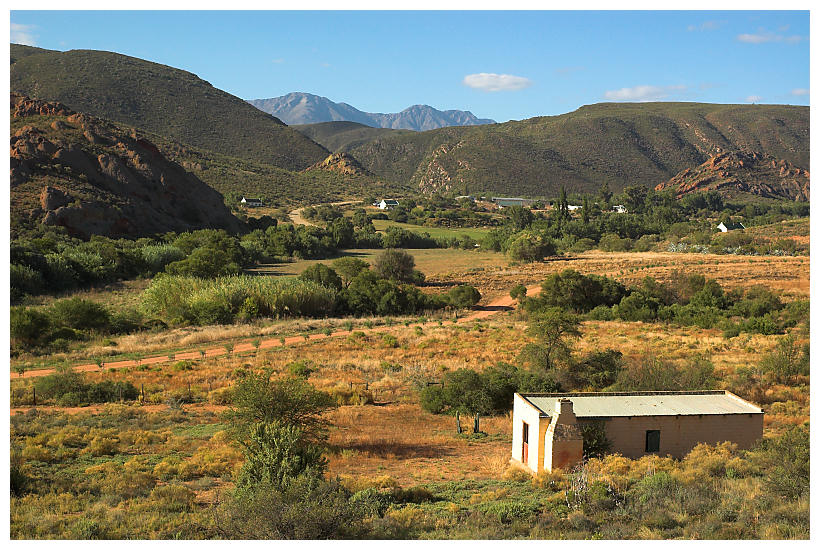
column 621, row 144
column 160, row 99
column 342, row 136
column 234, row 177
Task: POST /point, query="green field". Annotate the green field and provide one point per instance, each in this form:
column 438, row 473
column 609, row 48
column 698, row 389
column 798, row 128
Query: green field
column 430, row 261
column 476, row 233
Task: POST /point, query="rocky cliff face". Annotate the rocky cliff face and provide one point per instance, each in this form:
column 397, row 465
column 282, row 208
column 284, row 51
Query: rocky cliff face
column 74, row 170
column 738, row 172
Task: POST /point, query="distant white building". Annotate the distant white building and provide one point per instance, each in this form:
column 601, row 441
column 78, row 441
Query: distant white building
column 251, row 203
column 503, row 202
column 730, row 226
column 619, row 208
column 388, row 204
column 573, row 207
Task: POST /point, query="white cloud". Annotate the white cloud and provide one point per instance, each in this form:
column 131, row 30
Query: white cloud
column 277, row 61
column 754, row 99
column 705, row 26
column 763, row 37
column 22, row 34
column 491, row 82
column 642, row 93
column 800, row 91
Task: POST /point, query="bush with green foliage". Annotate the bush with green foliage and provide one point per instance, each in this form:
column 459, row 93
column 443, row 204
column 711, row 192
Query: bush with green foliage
column 323, row 275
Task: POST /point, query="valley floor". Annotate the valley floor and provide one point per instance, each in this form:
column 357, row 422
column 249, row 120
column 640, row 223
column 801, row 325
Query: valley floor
column 105, row 471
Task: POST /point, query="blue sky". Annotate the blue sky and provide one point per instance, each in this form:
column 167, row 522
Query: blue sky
column 499, row 65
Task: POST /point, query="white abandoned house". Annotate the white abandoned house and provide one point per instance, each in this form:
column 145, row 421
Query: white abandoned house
column 547, row 426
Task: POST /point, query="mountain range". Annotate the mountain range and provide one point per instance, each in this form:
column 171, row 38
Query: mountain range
column 303, row 108
column 237, row 149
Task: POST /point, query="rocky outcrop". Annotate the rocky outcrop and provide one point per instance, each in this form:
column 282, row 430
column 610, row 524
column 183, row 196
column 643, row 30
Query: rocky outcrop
column 94, row 179
column 341, row 163
column 734, row 172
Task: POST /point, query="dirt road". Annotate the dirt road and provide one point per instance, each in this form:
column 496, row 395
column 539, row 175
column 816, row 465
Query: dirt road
column 502, row 303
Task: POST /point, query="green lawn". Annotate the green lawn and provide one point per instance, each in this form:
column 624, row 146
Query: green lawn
column 476, row 233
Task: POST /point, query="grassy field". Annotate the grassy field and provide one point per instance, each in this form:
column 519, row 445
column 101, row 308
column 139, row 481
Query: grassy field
column 476, row 233
column 433, row 262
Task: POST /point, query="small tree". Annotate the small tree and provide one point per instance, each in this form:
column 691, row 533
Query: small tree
column 554, row 331
column 397, row 265
column 323, row 275
column 348, row 267
column 293, row 401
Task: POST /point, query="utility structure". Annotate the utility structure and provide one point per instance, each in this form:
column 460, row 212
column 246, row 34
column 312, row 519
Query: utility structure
column 548, row 427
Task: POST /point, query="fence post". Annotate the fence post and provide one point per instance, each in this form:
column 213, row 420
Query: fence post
column 476, row 428
column 142, row 392
column 34, row 395
column 458, row 422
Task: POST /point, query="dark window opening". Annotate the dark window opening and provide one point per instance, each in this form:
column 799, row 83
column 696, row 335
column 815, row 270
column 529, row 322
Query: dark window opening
column 653, row 441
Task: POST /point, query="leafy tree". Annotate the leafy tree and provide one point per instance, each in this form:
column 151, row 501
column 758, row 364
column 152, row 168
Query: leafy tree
column 396, row 265
column 205, row 262
column 554, row 331
column 574, row 291
column 323, row 275
column 341, row 230
column 787, row 360
column 786, row 461
column 360, row 218
column 348, row 267
column 519, row 217
column 530, row 247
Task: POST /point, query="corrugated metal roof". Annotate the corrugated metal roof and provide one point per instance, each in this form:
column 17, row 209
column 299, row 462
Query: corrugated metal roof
column 645, row 403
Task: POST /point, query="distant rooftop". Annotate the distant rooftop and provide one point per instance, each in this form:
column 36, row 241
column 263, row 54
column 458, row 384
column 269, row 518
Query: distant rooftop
column 658, row 403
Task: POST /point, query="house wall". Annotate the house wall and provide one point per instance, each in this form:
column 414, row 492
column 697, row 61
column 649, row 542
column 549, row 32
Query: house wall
column 524, row 412
column 680, row 434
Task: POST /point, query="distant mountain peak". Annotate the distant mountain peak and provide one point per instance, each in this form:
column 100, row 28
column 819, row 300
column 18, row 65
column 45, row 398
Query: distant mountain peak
column 306, row 108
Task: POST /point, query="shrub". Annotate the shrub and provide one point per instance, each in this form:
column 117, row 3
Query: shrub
column 463, row 296
column 530, row 247
column 80, row 314
column 613, row 243
column 396, row 265
column 323, row 275
column 302, row 368
column 27, row 325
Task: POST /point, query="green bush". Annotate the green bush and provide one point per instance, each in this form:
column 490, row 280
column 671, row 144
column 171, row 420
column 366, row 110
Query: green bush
column 323, row 275
column 28, row 325
column 463, row 296
column 80, row 314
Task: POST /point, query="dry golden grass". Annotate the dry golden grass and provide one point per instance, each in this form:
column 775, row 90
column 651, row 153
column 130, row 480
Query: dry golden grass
column 411, row 446
column 787, row 274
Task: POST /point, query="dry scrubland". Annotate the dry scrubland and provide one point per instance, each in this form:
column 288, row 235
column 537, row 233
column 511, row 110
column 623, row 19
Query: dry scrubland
column 154, row 469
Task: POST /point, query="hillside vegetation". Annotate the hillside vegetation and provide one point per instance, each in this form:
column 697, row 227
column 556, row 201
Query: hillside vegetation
column 342, row 136
column 170, row 102
column 620, row 144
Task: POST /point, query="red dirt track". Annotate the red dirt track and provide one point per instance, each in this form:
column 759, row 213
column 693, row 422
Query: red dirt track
column 500, row 304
